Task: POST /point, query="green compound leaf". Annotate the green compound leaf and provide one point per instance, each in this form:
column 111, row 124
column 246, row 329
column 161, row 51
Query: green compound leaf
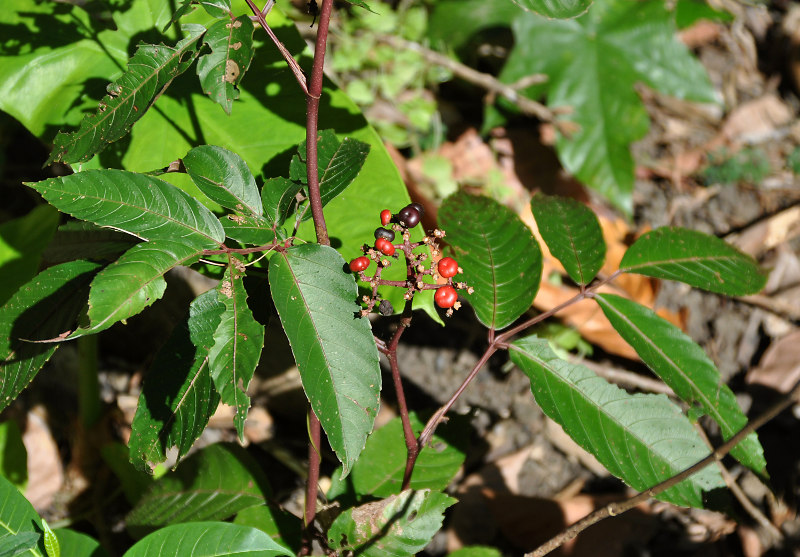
column 279, row 196
column 140, row 205
column 149, row 73
column 560, row 9
column 207, row 539
column 75, row 544
column 43, row 308
column 333, row 347
column 697, row 259
column 212, row 484
column 572, row 233
column 133, row 282
column 499, row 255
column 339, row 163
column 594, row 63
column 224, row 177
column 178, row 397
column 20, row 525
column 380, row 468
column 238, row 341
column 642, row 439
column 686, row 368
column 401, row 524
column 22, row 243
column 221, row 70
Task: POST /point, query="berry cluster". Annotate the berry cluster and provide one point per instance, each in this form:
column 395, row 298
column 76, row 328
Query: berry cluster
column 442, row 270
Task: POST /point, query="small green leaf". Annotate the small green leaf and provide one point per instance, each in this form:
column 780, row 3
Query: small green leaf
column 214, row 8
column 20, row 525
column 282, row 526
column 683, row 365
column 43, row 308
column 220, row 71
column 225, row 178
column 250, row 230
column 572, row 233
column 207, row 539
column 75, row 544
column 698, row 259
column 140, row 205
column 212, row 484
column 13, row 455
column 279, row 197
column 560, row 9
column 133, row 282
column 333, row 346
column 238, row 341
column 51, row 544
column 642, row 439
column 178, row 397
column 499, row 255
column 403, row 523
column 149, row 73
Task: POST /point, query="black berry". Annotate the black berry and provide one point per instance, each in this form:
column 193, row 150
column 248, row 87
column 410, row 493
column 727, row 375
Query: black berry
column 419, row 208
column 384, row 233
column 409, row 216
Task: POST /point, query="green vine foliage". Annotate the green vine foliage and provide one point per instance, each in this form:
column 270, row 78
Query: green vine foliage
column 196, row 157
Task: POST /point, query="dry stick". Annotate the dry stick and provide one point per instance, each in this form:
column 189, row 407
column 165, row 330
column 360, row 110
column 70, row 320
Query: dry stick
column 615, row 509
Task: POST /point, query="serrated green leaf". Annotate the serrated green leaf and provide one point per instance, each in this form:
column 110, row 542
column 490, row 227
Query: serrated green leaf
column 214, row 8
column 133, row 282
column 561, row 9
column 339, row 163
column 380, row 468
column 641, row 439
column 85, row 240
column 593, row 63
column 207, row 539
column 150, row 71
column 279, row 197
column 250, row 230
column 178, row 397
column 43, row 308
column 22, row 242
column 698, row 259
column 20, row 525
column 686, row 368
column 51, row 544
column 572, row 234
column 499, row 255
column 13, row 455
column 75, row 544
column 224, row 177
column 211, row 484
column 403, row 523
column 333, row 347
column 282, row 526
column 220, row 71
column 140, row 205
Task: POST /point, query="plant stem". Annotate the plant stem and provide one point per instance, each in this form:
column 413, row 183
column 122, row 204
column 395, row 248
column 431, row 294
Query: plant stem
column 88, row 384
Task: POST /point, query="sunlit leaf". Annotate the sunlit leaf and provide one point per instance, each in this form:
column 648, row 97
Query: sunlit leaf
column 75, row 544
column 224, row 177
column 207, row 539
column 220, row 71
column 20, row 525
column 561, row 9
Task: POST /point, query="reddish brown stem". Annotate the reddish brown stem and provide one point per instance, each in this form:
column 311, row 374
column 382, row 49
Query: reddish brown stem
column 315, row 437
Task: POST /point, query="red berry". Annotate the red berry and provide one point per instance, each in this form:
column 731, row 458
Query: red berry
column 448, row 267
column 359, row 264
column 445, row 297
column 384, row 246
column 386, row 217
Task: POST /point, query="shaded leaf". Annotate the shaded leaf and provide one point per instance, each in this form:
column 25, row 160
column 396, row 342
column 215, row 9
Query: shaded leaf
column 572, row 233
column 22, row 242
column 499, row 255
column 43, row 308
column 85, row 240
column 207, row 539
column 397, row 526
column 214, row 8
column 149, row 72
column 221, row 70
column 133, row 282
column 134, row 483
column 238, row 341
column 686, row 368
column 282, row 526
column 211, row 484
column 140, row 205
column 279, row 196
column 333, row 347
column 20, row 525
column 178, row 397
column 75, row 544
column 561, row 9
column 224, row 177
column 476, row 551
column 13, row 455
column 698, row 259
column 642, row 439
